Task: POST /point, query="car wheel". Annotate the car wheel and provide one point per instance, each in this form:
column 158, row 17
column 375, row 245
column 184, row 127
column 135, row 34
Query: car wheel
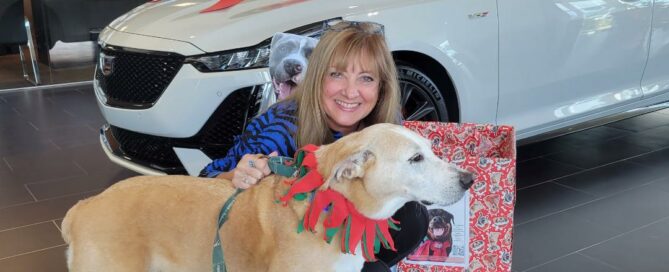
column 421, row 98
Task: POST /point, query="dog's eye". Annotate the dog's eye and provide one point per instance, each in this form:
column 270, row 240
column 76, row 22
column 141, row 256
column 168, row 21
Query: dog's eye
column 416, row 158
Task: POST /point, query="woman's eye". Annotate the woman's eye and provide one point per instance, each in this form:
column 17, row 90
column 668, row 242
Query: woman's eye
column 335, row 74
column 416, row 158
column 367, row 79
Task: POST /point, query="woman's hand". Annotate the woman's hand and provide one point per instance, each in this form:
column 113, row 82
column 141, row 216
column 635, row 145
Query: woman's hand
column 251, row 169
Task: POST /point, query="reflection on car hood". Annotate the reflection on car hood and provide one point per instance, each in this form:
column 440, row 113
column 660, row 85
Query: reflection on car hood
column 242, row 25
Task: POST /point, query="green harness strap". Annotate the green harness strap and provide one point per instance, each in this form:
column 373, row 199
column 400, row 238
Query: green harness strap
column 283, row 166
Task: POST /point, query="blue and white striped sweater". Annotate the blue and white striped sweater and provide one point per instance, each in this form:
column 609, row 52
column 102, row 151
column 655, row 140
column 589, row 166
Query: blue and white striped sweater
column 271, row 131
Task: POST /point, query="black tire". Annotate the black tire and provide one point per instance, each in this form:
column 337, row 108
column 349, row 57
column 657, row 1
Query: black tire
column 421, row 98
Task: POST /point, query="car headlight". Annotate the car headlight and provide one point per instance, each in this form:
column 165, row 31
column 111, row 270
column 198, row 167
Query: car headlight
column 254, row 57
column 251, row 57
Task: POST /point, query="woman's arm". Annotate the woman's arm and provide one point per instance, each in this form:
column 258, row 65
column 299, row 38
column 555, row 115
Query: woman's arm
column 269, row 132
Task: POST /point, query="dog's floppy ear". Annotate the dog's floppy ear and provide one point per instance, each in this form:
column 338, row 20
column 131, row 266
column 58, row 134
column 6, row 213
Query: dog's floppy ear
column 277, row 36
column 352, row 167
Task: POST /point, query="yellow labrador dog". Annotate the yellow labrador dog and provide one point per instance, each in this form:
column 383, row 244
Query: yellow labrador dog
column 168, row 223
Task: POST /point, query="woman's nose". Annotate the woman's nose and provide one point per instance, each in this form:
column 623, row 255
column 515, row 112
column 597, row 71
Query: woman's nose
column 351, row 90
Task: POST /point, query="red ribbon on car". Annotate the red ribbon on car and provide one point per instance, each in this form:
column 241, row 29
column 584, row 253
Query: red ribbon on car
column 221, row 4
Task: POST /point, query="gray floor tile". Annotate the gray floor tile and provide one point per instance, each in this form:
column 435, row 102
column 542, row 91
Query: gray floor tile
column 627, row 210
column 658, row 159
column 26, row 142
column 544, row 199
column 654, row 138
column 642, row 122
column 5, row 107
column 71, row 136
column 575, row 263
column 599, row 154
column 14, row 125
column 42, row 167
column 38, row 212
column 531, row 151
column 58, row 223
column 539, row 170
column 642, row 250
column 30, row 238
column 7, row 112
column 613, row 178
column 12, row 193
column 93, row 160
column 593, row 136
column 25, row 98
column 662, row 184
column 549, row 238
column 49, row 260
column 45, row 114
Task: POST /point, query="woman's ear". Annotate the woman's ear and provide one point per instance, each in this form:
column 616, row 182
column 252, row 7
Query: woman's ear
column 352, row 167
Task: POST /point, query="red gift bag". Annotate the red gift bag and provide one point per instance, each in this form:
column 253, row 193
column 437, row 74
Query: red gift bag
column 474, row 234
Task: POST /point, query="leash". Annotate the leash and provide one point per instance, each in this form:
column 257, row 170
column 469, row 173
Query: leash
column 218, row 262
column 279, row 165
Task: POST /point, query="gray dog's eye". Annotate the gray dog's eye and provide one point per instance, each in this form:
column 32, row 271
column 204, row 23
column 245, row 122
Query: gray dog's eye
column 416, row 158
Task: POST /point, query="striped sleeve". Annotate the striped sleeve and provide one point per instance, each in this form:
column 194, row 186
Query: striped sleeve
column 268, row 132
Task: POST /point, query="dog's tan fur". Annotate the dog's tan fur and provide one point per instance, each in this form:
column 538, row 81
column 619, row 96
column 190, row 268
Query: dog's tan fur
column 168, row 223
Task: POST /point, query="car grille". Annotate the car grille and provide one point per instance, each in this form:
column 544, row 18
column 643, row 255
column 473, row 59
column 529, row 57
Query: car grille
column 145, row 149
column 214, row 139
column 138, row 78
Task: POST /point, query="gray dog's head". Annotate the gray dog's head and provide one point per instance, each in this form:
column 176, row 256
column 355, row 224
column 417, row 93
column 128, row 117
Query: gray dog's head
column 288, row 61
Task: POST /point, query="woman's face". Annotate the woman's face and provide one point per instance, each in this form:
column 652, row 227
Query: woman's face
column 349, row 96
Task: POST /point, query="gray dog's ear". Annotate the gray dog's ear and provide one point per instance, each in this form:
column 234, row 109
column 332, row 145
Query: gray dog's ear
column 277, row 36
column 353, row 166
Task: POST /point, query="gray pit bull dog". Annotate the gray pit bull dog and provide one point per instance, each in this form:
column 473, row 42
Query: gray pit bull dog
column 288, row 60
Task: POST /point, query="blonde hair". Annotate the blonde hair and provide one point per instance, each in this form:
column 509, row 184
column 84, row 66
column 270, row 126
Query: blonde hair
column 338, row 49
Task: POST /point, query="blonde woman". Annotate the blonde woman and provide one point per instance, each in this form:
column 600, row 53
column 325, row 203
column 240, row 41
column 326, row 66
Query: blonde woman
column 351, row 83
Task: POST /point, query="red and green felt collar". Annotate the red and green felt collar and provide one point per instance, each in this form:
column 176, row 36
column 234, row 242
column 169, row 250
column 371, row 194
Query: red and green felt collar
column 341, row 214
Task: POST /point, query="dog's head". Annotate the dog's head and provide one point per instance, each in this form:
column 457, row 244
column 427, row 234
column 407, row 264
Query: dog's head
column 288, row 61
column 440, row 225
column 384, row 166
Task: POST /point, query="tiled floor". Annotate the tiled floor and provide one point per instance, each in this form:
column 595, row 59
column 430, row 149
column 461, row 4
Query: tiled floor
column 597, row 200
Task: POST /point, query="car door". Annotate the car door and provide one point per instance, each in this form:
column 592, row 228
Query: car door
column 562, row 59
column 656, row 77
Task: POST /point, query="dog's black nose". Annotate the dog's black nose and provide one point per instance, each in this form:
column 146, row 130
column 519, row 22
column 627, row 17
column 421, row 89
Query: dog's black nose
column 466, row 180
column 292, row 67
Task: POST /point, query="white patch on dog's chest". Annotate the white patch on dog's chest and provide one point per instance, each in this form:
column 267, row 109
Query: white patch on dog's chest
column 350, row 262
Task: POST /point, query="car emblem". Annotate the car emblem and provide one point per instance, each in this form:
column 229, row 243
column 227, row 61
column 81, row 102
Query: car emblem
column 106, row 64
column 478, row 15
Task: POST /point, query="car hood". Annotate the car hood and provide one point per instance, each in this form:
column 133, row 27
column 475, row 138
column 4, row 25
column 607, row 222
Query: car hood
column 245, row 24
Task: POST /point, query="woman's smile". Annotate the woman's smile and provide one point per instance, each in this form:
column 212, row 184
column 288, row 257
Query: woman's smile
column 347, row 106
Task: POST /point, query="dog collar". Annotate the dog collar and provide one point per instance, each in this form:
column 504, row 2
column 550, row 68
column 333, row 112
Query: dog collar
column 341, row 213
column 283, row 166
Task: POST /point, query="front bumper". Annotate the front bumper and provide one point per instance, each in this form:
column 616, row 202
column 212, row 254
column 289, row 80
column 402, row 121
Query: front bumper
column 112, row 149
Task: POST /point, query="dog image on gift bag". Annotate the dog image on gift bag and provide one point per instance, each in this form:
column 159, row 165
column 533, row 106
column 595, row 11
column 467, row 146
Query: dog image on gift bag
column 288, row 59
column 439, row 240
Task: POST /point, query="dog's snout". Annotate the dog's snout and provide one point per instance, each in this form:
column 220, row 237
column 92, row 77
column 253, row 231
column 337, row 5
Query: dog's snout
column 292, row 68
column 466, row 180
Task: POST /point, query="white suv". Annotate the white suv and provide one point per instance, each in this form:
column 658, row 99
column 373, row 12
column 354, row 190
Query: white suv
column 545, row 67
